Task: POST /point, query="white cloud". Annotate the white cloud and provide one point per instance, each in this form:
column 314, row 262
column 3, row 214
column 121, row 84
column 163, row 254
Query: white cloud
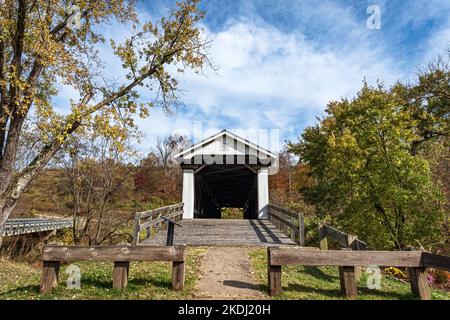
column 438, row 44
column 273, row 79
column 267, row 78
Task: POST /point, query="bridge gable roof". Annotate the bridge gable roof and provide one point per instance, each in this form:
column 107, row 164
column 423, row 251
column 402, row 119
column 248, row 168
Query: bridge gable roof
column 225, row 143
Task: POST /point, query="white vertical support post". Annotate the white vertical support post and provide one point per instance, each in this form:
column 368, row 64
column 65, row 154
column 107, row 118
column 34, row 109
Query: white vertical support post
column 263, row 193
column 188, row 194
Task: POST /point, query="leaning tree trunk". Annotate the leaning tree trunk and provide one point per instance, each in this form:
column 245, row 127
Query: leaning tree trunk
column 16, row 184
column 8, row 199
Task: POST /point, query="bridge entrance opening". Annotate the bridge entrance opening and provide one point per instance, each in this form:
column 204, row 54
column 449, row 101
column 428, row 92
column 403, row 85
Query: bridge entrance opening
column 232, row 213
column 225, row 186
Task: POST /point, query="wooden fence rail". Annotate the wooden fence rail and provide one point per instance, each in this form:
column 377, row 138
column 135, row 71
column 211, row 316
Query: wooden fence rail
column 291, row 223
column 415, row 261
column 152, row 222
column 121, row 255
column 345, row 240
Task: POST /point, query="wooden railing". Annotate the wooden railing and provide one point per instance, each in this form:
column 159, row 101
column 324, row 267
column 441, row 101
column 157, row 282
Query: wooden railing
column 122, row 254
column 345, row 240
column 348, row 260
column 291, row 223
column 14, row 227
column 152, row 222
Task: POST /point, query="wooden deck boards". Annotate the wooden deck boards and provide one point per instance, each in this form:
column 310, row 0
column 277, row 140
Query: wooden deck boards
column 217, row 232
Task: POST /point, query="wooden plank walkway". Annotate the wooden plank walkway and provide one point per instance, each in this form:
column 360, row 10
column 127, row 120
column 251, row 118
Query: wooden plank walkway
column 218, row 232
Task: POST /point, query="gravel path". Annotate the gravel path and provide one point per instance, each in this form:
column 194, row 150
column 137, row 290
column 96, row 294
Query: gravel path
column 226, row 273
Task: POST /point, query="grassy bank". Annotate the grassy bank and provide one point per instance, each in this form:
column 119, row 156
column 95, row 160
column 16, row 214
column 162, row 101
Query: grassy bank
column 147, row 280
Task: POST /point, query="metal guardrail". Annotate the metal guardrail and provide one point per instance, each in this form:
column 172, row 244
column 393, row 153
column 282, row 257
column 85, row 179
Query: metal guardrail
column 14, row 227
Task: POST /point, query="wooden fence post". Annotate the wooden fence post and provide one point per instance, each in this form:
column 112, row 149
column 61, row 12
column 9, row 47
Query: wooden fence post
column 348, row 282
column 323, row 242
column 137, row 230
column 120, row 274
column 178, row 275
column 148, row 231
column 273, row 277
column 352, row 244
column 347, row 277
column 419, row 283
column 274, row 280
column 301, row 230
column 49, row 277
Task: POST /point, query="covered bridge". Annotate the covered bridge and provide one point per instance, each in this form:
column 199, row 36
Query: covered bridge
column 223, row 171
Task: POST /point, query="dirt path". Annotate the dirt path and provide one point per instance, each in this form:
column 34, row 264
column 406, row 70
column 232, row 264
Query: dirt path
column 226, row 273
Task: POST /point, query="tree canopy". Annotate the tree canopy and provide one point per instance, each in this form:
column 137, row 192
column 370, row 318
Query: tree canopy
column 367, row 160
column 45, row 44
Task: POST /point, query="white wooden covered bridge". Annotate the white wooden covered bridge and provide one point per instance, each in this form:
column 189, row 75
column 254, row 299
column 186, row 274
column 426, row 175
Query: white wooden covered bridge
column 224, row 171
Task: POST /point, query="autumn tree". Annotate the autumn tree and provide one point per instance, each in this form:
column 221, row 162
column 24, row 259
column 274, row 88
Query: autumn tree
column 96, row 179
column 45, row 44
column 159, row 174
column 369, row 178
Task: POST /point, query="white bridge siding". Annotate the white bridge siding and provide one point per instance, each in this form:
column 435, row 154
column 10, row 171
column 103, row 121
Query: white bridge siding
column 188, row 193
column 225, row 170
column 263, row 193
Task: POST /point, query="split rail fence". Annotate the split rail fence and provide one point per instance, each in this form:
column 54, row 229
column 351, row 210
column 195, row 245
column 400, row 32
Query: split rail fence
column 152, row 221
column 291, row 223
column 121, row 255
column 348, row 260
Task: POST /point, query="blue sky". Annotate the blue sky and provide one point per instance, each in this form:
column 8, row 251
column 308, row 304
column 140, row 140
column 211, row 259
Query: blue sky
column 281, row 61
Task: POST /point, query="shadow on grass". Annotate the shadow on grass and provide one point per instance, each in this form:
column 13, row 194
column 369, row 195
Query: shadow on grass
column 20, row 290
column 336, row 293
column 319, row 274
column 134, row 283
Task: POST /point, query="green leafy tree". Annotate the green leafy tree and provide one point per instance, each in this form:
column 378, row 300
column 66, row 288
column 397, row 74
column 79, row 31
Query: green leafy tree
column 45, row 44
column 368, row 178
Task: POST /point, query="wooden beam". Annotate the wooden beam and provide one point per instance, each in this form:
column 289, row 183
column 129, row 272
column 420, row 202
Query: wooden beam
column 337, row 235
column 436, row 261
column 288, row 212
column 157, row 221
column 298, row 256
column 284, row 221
column 149, row 213
column 116, row 253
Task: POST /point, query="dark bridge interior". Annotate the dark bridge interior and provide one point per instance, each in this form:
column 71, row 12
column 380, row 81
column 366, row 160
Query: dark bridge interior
column 223, row 186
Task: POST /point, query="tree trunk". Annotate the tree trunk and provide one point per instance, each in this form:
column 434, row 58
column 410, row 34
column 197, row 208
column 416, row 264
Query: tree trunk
column 16, row 185
column 8, row 199
column 5, row 212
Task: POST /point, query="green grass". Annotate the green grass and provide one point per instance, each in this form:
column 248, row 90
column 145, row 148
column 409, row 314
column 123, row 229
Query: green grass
column 147, row 280
column 152, row 280
column 322, row 283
